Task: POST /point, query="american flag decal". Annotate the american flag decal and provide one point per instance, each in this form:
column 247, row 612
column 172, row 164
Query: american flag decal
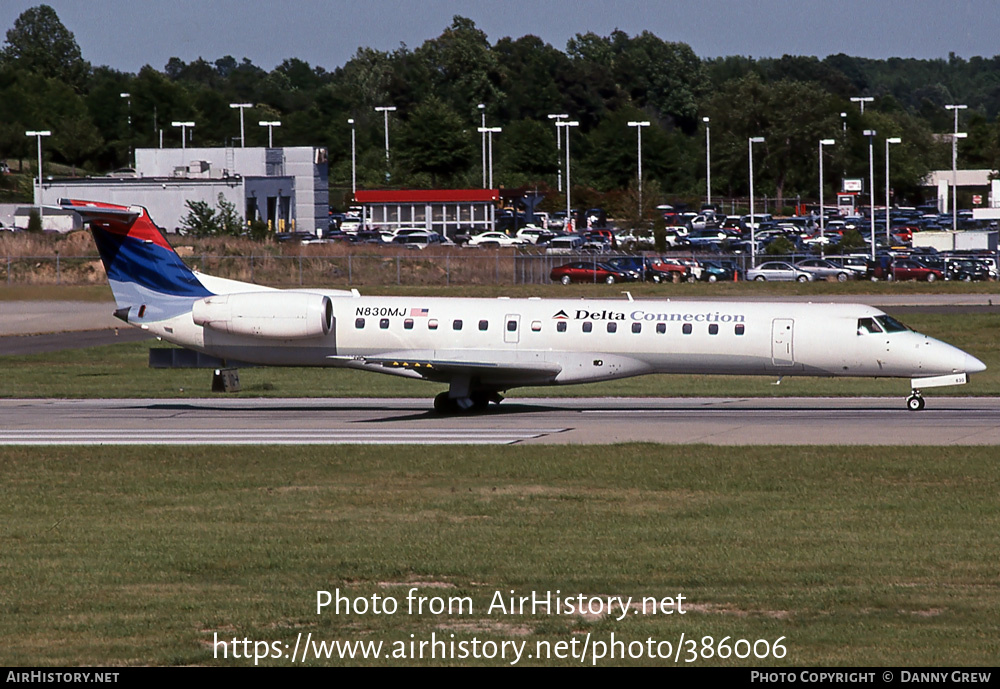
column 418, row 312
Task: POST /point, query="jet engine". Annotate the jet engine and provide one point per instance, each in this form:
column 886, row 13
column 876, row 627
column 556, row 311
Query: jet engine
column 276, row 315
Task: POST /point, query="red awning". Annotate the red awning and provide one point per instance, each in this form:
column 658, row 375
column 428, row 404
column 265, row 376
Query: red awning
column 427, row 195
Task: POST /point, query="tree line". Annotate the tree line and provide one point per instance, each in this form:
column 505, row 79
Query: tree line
column 603, row 82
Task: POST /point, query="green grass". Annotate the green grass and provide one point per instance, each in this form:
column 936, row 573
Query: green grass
column 123, row 556
column 122, row 371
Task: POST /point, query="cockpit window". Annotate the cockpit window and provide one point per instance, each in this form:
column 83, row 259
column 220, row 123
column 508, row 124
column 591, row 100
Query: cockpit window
column 867, row 326
column 891, row 325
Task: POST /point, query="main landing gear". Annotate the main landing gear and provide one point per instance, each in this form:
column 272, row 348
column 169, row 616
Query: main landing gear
column 915, row 402
column 475, row 402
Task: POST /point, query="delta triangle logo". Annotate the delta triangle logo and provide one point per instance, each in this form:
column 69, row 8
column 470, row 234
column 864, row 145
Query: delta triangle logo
column 561, row 315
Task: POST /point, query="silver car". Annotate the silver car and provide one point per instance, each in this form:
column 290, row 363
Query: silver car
column 822, row 269
column 779, row 271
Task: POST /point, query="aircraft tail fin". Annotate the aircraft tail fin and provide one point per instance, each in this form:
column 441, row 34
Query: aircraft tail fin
column 145, row 273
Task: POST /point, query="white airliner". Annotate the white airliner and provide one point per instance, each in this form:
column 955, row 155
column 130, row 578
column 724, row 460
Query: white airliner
column 482, row 347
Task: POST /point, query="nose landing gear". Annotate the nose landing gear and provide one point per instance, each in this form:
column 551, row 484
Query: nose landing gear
column 915, row 402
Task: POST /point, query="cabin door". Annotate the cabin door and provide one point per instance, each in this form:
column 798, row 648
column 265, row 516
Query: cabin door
column 782, row 332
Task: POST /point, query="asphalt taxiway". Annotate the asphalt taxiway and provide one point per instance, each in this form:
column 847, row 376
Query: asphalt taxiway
column 717, row 421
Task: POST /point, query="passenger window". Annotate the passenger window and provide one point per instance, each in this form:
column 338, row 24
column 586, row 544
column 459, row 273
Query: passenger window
column 384, row 323
column 687, row 329
column 661, row 328
column 587, row 326
column 408, row 324
column 536, row 326
column 740, row 328
column 483, row 325
column 432, row 324
column 561, row 326
column 637, row 327
column 456, row 324
column 713, row 328
column 359, row 323
column 612, row 327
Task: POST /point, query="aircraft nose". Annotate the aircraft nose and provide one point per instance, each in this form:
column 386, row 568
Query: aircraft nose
column 973, row 365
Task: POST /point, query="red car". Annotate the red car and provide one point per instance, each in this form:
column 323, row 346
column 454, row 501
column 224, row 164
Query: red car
column 909, row 269
column 666, row 270
column 588, row 271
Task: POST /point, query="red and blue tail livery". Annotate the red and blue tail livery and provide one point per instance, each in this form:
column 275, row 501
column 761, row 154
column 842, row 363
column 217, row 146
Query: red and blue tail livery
column 143, row 269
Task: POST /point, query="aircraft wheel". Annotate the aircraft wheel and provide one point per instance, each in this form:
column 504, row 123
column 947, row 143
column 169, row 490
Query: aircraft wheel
column 480, row 401
column 914, row 402
column 444, row 404
column 565, row 279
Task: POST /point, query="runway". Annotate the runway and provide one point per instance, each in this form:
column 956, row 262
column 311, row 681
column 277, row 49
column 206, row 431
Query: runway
column 675, row 421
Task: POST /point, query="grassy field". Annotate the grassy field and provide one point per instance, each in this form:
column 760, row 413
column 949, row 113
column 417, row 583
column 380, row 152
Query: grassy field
column 122, row 371
column 120, row 556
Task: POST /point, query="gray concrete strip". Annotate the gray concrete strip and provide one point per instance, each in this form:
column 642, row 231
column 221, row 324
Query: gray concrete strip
column 34, row 317
column 675, row 421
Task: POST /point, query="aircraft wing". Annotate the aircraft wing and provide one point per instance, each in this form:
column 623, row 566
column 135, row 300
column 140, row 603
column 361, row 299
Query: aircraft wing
column 443, row 370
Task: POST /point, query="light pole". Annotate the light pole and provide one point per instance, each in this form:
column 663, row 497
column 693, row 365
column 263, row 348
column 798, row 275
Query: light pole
column 870, row 133
column 354, row 161
column 270, row 130
column 242, row 107
column 385, row 110
column 954, row 166
column 38, row 134
column 131, row 163
column 843, row 120
column 753, row 229
column 862, row 101
column 891, row 140
column 491, row 131
column 638, row 128
column 482, row 128
column 184, row 127
column 822, row 209
column 708, row 162
column 564, row 123
column 558, row 118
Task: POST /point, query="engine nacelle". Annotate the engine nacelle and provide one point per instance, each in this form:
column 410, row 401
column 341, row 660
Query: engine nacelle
column 276, row 315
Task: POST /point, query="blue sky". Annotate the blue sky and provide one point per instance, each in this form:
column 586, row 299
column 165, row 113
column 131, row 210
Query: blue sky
column 127, row 34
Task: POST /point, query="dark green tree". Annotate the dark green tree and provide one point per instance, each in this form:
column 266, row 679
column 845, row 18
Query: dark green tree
column 434, row 140
column 38, row 42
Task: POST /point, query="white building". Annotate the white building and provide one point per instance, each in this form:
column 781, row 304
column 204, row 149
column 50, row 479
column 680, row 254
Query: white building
column 287, row 187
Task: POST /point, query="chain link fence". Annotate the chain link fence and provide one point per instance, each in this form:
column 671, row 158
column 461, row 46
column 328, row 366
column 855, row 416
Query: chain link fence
column 461, row 267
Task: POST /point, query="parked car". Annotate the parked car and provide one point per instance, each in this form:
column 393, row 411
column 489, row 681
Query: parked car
column 824, row 270
column 778, row 271
column 495, row 239
column 535, row 235
column 716, row 271
column 666, row 270
column 588, row 271
column 856, row 264
column 569, row 244
column 419, row 240
column 965, row 269
column 908, row 269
